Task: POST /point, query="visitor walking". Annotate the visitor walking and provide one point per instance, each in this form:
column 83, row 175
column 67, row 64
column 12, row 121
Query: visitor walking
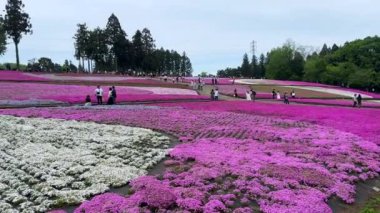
column 88, row 101
column 253, row 95
column 110, row 98
column 212, row 94
column 273, row 94
column 248, row 95
column 355, row 100
column 216, row 94
column 99, row 95
column 114, row 94
column 293, row 94
column 359, row 99
column 235, row 93
column 278, row 95
column 212, row 81
column 286, row 99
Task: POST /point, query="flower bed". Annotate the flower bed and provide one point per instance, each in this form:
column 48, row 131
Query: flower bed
column 362, row 122
column 18, row 76
column 334, row 102
column 74, row 94
column 232, row 160
column 46, row 163
column 221, row 81
column 241, row 91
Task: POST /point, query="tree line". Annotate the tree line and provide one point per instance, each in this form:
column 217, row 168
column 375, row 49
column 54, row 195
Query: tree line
column 355, row 64
column 109, row 49
column 254, row 68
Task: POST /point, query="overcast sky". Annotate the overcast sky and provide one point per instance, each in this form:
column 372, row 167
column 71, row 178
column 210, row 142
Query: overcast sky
column 214, row 33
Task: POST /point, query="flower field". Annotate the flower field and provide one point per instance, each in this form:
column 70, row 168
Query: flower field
column 240, row 157
column 32, row 93
column 47, row 162
column 18, row 76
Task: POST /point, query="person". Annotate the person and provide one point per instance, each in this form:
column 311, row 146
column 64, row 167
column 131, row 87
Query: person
column 233, row 80
column 278, row 95
column 253, row 95
column 359, row 98
column 216, row 81
column 273, row 94
column 99, row 95
column 212, row 81
column 216, row 94
column 286, row 99
column 235, row 93
column 201, row 85
column 114, row 94
column 248, row 95
column 355, row 100
column 212, row 94
column 293, row 94
column 165, row 78
column 88, row 101
column 110, row 98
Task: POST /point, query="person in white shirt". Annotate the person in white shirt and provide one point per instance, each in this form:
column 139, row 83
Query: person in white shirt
column 248, row 95
column 216, row 95
column 99, row 95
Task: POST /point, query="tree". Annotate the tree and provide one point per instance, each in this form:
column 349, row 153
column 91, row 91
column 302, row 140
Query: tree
column 81, row 43
column 148, row 41
column 314, row 68
column 325, row 50
column 116, row 38
column 138, row 49
column 46, row 64
column 279, row 63
column 255, row 72
column 16, row 23
column 186, row 67
column 3, row 37
column 262, row 65
column 245, row 67
column 297, row 66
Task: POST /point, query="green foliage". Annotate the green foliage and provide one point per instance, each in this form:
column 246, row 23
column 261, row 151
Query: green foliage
column 246, row 67
column 373, row 206
column 16, row 23
column 314, row 67
column 285, row 63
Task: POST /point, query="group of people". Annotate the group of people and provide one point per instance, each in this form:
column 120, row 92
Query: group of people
column 277, row 95
column 250, row 95
column 357, row 100
column 99, row 96
column 214, row 94
column 198, row 84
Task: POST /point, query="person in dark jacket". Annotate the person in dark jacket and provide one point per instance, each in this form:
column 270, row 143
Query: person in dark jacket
column 110, row 97
column 359, row 99
column 114, row 94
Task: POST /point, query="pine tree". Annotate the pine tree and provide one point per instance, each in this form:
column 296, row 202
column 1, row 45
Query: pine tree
column 245, row 67
column 116, row 35
column 16, row 23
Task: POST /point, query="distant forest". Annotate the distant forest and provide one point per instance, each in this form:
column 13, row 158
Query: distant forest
column 110, row 49
column 356, row 64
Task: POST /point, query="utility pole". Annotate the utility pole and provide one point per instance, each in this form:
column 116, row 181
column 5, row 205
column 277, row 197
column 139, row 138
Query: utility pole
column 253, row 47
